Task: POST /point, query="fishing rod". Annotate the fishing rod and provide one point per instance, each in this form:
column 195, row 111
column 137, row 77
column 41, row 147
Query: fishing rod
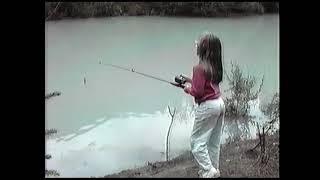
column 179, row 80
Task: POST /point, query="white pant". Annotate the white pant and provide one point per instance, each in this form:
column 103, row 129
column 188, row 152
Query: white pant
column 206, row 133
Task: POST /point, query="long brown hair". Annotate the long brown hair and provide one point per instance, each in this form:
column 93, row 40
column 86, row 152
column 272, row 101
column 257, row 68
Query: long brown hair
column 209, row 52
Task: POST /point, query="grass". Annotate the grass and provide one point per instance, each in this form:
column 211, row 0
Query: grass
column 238, row 161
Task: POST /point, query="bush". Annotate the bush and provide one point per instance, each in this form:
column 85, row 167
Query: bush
column 238, row 103
column 50, row 132
column 241, row 89
column 272, row 109
column 273, row 112
column 267, row 128
column 270, row 7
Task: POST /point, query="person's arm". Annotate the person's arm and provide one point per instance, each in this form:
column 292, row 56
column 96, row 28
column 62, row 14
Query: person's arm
column 197, row 84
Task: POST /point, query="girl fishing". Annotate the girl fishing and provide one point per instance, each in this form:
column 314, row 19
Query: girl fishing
column 209, row 114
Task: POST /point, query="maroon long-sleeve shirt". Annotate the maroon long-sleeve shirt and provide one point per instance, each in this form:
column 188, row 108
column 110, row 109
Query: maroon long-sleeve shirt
column 201, row 88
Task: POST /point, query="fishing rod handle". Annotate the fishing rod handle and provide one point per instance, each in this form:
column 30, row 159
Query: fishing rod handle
column 178, row 85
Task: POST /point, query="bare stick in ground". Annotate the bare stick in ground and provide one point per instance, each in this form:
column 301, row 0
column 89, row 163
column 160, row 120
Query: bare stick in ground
column 264, row 149
column 169, row 131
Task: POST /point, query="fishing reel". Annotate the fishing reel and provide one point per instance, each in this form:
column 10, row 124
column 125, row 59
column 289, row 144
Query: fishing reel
column 180, row 80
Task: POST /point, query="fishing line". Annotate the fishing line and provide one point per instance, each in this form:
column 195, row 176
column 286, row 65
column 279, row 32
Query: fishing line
column 134, row 71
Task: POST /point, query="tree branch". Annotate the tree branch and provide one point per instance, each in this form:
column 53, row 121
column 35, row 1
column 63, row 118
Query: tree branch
column 169, row 131
column 54, row 11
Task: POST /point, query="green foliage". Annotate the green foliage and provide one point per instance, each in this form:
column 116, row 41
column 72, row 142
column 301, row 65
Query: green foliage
column 203, row 9
column 50, row 132
column 53, row 94
column 272, row 111
column 242, row 91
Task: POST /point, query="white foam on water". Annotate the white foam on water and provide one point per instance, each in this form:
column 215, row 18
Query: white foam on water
column 87, row 127
column 130, row 113
column 101, row 119
column 69, row 136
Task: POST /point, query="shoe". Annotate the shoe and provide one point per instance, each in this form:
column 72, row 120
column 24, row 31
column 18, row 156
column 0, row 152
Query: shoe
column 218, row 174
column 212, row 173
column 200, row 173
